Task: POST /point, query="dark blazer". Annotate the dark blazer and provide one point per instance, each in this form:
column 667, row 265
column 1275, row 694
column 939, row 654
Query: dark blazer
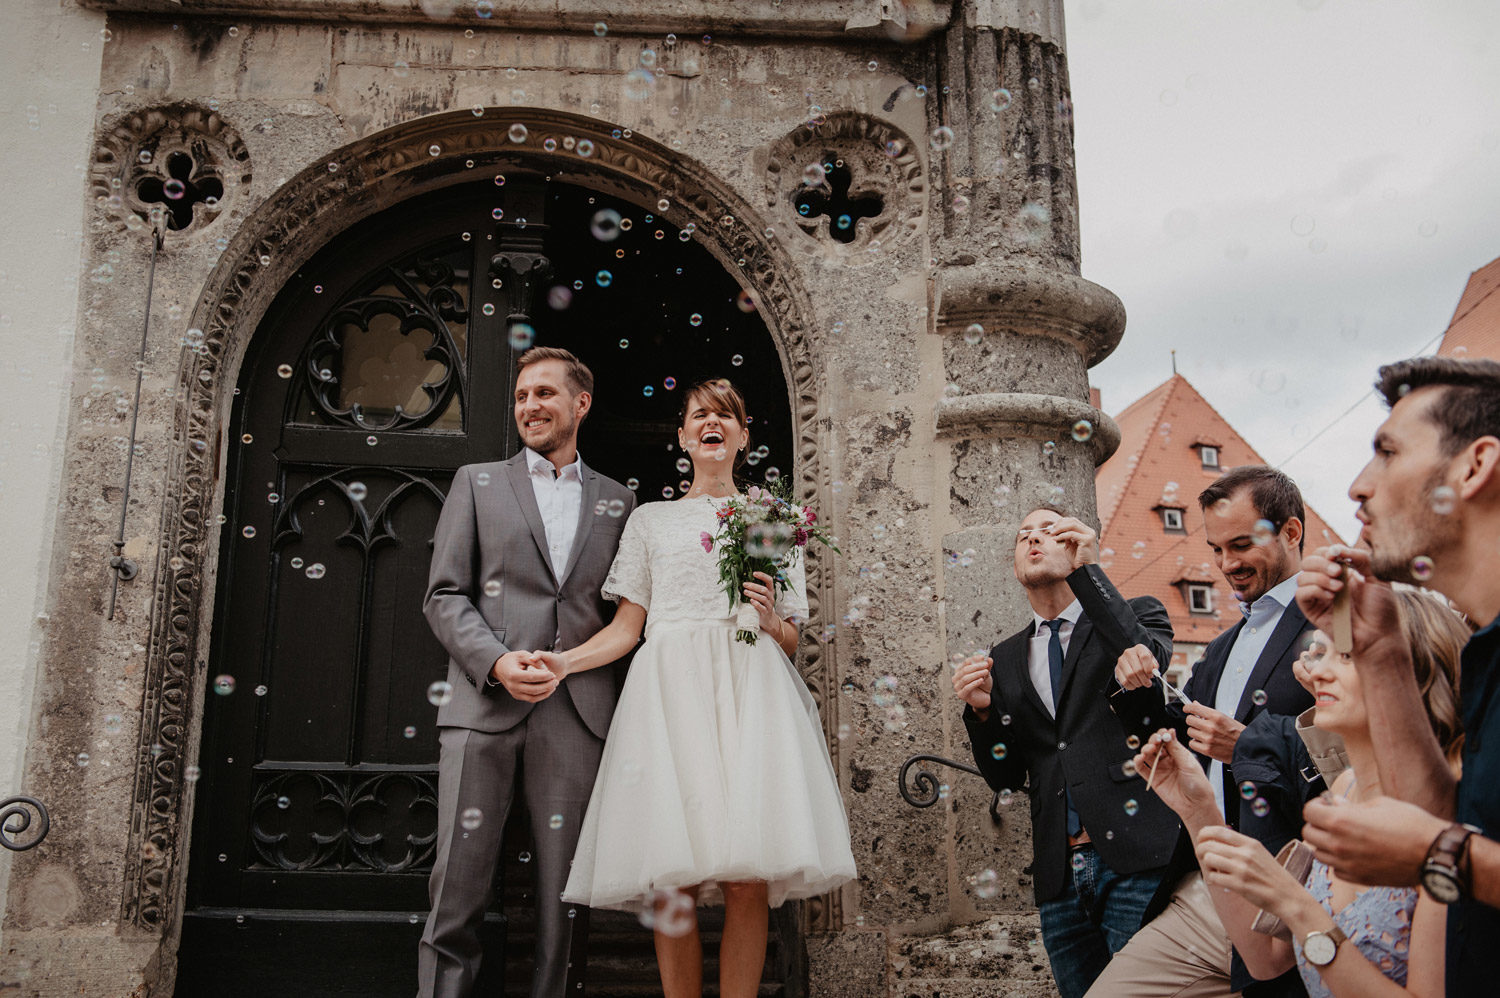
column 1085, row 748
column 493, row 588
column 1284, row 695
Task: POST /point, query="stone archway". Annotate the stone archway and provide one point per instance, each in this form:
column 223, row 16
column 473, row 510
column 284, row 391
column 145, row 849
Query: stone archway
column 328, row 197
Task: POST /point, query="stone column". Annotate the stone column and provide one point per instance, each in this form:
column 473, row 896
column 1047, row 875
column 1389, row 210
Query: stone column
column 1007, row 424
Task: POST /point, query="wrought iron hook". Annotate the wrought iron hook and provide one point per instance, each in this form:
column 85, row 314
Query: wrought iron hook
column 20, row 808
column 924, row 790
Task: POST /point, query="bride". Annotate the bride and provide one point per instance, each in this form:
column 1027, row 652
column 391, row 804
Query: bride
column 715, row 781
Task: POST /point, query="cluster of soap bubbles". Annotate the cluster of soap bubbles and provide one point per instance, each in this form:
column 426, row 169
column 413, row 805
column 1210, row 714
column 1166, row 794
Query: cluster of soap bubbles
column 669, row 911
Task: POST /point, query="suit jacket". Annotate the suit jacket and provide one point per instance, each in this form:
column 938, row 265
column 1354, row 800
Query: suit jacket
column 492, row 533
column 1084, row 748
column 1284, row 695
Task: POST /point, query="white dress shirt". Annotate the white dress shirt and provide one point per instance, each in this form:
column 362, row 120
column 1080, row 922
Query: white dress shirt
column 559, row 496
column 1261, row 618
column 1041, row 635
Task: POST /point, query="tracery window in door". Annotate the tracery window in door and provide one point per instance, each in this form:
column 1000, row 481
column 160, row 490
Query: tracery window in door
column 392, row 355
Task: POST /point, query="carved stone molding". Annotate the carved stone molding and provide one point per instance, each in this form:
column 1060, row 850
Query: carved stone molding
column 1025, row 415
column 292, row 224
column 1033, row 299
column 881, row 162
column 179, row 163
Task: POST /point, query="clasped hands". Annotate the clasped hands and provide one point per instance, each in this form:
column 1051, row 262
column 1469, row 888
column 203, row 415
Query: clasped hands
column 532, row 676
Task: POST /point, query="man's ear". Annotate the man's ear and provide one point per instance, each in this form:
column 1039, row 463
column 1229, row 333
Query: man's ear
column 1292, row 529
column 1479, row 467
column 584, row 401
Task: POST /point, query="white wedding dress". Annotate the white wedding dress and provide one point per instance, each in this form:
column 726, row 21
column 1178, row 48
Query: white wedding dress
column 715, row 768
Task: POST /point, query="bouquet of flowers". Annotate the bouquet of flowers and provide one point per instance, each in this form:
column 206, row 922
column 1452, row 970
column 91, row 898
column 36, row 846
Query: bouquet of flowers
column 760, row 532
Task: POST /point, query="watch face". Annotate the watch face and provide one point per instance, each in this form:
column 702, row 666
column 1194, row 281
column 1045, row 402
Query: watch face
column 1319, row 948
column 1441, row 885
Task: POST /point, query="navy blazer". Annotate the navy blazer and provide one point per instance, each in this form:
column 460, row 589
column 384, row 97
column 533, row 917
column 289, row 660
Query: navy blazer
column 1084, row 749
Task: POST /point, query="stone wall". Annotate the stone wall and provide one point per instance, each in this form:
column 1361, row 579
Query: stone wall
column 938, row 364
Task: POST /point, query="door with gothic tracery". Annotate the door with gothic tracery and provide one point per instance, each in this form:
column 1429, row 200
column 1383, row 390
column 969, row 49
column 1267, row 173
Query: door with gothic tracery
column 386, row 363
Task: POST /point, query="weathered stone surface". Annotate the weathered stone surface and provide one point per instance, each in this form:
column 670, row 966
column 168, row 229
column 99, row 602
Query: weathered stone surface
column 336, row 116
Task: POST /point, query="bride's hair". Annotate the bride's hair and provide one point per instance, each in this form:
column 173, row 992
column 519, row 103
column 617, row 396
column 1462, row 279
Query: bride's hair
column 719, row 395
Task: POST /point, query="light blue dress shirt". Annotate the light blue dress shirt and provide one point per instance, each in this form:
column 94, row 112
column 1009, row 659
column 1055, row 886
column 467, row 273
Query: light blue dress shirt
column 1261, row 618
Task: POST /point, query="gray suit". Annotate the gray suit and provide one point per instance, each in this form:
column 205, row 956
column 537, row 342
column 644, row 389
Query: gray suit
column 492, row 589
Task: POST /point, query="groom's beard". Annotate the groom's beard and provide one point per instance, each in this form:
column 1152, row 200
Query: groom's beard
column 547, row 439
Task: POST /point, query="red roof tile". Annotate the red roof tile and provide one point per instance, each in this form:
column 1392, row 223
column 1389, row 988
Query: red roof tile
column 1159, row 465
column 1474, row 330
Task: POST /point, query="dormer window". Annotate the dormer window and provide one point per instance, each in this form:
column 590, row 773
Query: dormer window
column 1171, row 520
column 1209, row 454
column 1200, row 597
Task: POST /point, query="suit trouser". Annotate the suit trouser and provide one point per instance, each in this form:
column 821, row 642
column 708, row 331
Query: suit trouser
column 555, row 758
column 1184, row 952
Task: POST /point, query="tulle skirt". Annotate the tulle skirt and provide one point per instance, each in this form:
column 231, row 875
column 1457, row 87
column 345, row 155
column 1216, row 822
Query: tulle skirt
column 715, row 770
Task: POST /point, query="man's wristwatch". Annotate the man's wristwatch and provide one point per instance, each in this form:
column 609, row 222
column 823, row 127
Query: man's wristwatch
column 1442, row 872
column 1321, row 947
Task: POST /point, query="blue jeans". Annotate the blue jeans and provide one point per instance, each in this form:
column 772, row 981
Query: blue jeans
column 1093, row 919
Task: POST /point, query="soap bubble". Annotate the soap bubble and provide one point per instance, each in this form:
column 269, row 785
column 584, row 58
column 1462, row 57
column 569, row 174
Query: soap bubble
column 1083, row 430
column 224, row 685
column 1421, row 568
column 1132, row 742
column 998, row 751
column 974, row 333
column 1049, row 448
column 1258, row 698
column 737, row 360
column 1004, row 797
column 1260, row 807
column 440, row 693
column 669, row 911
column 1000, row 100
column 522, row 335
column 605, row 225
column 1247, row 790
column 884, row 691
column 471, row 818
column 517, row 133
column 555, row 822
column 1443, row 499
column 986, row 884
column 941, row 138
column 640, row 84
column 316, row 570
column 604, row 279
column 248, row 531
column 410, row 731
column 600, row 29
column 1131, row 807
column 493, row 588
column 358, row 491
column 284, row 370
column 560, row 297
column 1079, row 861
column 82, row 759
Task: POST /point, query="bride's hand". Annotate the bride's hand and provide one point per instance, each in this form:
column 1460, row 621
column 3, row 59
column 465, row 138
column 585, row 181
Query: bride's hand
column 763, row 597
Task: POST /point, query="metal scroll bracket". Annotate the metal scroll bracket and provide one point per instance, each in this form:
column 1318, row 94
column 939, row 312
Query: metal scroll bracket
column 922, row 789
column 16, row 817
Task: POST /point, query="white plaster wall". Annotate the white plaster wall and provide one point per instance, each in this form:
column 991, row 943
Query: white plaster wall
column 49, row 74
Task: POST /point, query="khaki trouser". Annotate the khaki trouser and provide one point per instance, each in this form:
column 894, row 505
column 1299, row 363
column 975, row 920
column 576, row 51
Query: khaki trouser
column 1181, row 953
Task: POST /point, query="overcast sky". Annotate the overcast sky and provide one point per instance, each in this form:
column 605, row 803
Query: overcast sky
column 1289, row 193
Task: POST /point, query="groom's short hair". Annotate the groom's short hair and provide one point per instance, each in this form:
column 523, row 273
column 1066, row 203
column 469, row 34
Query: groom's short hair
column 580, row 378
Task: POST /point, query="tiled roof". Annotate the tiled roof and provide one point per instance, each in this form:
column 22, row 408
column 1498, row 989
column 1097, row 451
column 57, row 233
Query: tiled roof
column 1159, row 466
column 1474, row 330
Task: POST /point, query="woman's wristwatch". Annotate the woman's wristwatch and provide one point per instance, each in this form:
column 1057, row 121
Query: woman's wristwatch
column 1444, row 874
column 1320, row 948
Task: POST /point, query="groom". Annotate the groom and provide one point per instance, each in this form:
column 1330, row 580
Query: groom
column 519, row 556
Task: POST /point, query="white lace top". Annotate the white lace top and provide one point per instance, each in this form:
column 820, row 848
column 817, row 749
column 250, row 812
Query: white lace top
column 661, row 565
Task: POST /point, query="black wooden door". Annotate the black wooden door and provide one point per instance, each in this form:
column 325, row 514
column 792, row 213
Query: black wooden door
column 386, row 363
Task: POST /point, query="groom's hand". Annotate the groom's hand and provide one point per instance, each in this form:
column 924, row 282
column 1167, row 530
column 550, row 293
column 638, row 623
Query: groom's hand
column 523, row 676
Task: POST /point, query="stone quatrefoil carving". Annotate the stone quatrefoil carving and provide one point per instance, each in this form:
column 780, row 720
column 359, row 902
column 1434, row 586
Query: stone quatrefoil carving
column 177, row 167
column 850, row 182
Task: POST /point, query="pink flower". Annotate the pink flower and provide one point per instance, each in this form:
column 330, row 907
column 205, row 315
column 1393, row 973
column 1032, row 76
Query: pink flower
column 753, row 493
column 811, row 517
column 801, row 538
column 706, row 540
